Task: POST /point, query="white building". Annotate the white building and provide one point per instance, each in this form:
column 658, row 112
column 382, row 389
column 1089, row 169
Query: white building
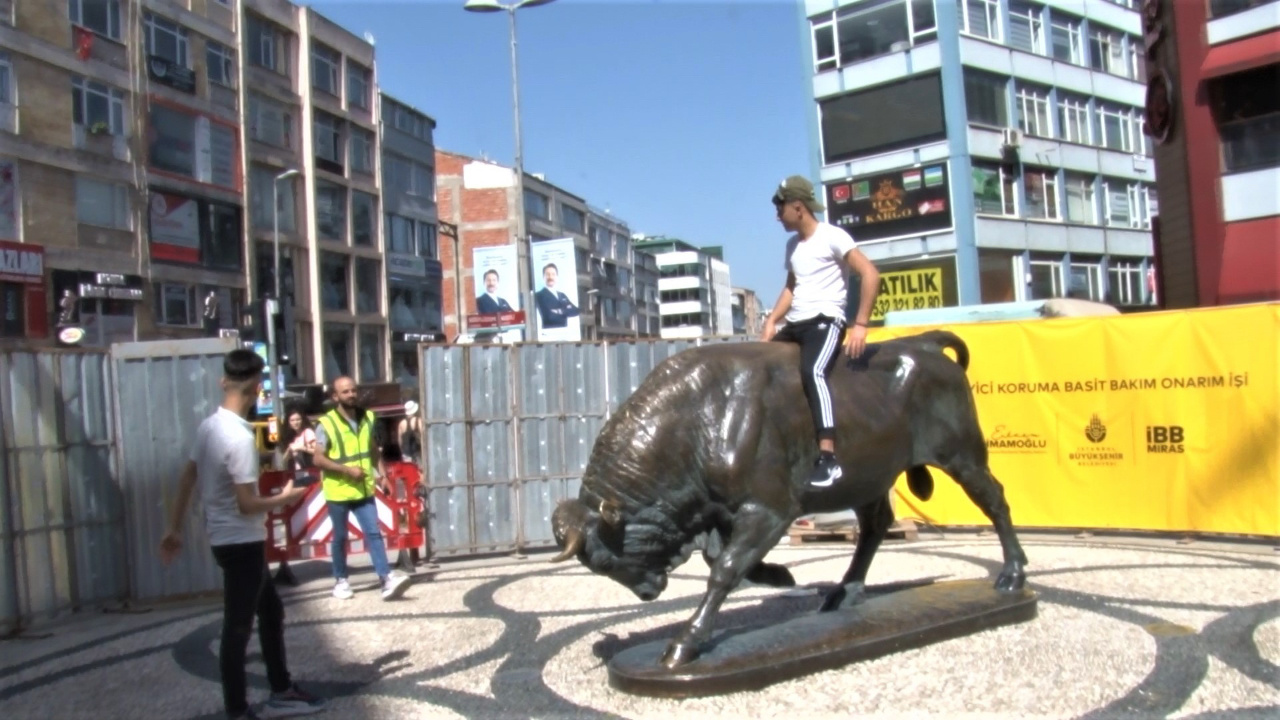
column 695, row 296
column 986, row 151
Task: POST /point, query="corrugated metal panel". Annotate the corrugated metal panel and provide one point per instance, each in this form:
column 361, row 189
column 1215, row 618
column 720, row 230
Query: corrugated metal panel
column 165, row 390
column 60, row 511
column 444, row 397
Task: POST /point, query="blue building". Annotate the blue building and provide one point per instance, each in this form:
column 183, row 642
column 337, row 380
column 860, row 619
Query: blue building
column 986, row 151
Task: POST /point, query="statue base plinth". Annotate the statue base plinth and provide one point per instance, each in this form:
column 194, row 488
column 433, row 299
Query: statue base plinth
column 751, row 658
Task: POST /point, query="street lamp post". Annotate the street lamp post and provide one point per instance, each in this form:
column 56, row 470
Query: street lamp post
column 522, row 235
column 273, row 347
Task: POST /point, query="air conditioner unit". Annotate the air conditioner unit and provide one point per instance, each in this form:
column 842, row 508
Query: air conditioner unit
column 1012, row 137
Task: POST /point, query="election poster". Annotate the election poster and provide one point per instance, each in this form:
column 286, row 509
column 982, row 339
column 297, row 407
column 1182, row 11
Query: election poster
column 555, row 277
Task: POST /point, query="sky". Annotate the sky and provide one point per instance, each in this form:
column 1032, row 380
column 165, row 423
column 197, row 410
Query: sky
column 679, row 117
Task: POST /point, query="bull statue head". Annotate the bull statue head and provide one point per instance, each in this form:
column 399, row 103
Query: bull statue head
column 608, row 545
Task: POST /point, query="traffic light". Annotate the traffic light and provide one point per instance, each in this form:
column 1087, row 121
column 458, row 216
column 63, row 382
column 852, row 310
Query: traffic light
column 286, row 337
column 253, row 322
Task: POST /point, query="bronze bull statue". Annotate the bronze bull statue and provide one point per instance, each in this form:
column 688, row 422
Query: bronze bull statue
column 716, row 444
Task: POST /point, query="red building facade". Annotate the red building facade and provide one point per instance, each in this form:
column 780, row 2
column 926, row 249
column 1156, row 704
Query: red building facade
column 1213, row 108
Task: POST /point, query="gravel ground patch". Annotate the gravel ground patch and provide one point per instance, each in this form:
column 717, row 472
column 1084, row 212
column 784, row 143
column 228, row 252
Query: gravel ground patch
column 1126, row 629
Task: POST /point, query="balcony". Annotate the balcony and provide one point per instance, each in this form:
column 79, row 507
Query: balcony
column 8, row 118
column 103, row 144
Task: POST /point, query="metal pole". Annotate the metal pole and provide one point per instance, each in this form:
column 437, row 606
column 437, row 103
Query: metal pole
column 522, row 235
column 277, row 402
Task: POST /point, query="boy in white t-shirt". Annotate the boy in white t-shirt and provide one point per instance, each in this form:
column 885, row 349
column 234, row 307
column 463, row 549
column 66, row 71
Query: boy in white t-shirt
column 223, row 465
column 818, row 258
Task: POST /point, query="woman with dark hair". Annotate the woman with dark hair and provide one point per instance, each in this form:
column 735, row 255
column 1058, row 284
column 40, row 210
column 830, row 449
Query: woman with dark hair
column 300, row 441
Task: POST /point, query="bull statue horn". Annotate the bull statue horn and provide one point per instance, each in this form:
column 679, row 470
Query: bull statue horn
column 571, row 546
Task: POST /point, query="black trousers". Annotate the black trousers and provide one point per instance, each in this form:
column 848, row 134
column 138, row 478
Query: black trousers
column 248, row 591
column 820, row 340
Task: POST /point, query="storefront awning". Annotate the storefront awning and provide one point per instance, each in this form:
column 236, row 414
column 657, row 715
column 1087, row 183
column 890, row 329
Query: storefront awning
column 1241, row 55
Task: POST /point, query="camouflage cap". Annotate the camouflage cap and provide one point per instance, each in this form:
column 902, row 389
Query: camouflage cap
column 797, row 187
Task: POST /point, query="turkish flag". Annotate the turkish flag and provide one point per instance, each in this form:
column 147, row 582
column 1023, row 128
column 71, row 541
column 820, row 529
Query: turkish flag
column 84, row 42
column 840, row 193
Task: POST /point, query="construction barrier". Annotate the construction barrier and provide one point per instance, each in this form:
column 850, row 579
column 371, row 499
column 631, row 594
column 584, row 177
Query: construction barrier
column 304, row 530
column 1154, row 421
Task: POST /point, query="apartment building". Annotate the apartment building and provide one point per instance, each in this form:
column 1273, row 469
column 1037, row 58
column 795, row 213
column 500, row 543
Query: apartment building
column 986, row 151
column 409, row 227
column 478, row 197
column 748, row 317
column 648, row 310
column 1214, row 100
column 695, row 299
column 172, row 128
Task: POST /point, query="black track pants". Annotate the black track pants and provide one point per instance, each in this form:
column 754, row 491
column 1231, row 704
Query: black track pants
column 820, row 340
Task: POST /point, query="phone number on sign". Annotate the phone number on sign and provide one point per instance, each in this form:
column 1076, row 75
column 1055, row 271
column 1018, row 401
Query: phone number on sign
column 906, row 302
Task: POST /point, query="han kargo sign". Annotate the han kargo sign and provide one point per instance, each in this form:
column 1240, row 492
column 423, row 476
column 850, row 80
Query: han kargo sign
column 900, row 203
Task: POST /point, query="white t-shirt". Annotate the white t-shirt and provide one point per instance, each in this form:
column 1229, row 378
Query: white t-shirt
column 226, row 455
column 820, row 269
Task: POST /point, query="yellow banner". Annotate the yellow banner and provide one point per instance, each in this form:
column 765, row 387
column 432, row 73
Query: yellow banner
column 1153, row 421
column 908, row 290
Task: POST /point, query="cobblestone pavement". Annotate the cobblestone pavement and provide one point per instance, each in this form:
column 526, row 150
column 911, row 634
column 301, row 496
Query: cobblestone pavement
column 1126, row 628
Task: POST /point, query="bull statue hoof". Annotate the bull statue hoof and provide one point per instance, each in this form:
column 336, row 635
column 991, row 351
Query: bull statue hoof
column 844, row 596
column 679, row 653
column 1012, row 578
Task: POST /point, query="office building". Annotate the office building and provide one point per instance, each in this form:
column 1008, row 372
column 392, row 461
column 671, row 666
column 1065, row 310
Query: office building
column 171, row 128
column 986, row 151
column 695, row 297
column 1214, row 102
column 409, row 229
column 748, row 316
column 648, row 310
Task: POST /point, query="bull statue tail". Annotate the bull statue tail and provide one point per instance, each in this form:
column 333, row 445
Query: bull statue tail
column 943, row 339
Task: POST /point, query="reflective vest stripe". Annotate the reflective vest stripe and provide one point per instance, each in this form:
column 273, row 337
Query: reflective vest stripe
column 339, row 435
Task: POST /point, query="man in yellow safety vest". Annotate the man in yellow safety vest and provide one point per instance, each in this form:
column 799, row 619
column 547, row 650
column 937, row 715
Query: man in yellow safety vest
column 347, row 451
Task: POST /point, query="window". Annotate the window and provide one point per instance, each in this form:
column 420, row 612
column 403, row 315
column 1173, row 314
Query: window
column 364, row 208
column 407, row 309
column 223, row 247
column 6, row 79
column 427, row 241
column 1046, row 279
column 1125, row 286
column 1152, row 206
column 334, row 293
column 1223, row 8
column 328, row 137
column 104, row 204
column 270, row 122
column 1033, row 111
column 573, row 219
column 338, row 350
column 994, row 192
column 261, row 192
column 358, row 81
column 1247, row 110
column 824, row 47
column 424, row 181
column 1064, row 35
column 325, row 67
column 400, row 235
column 866, row 32
column 984, row 96
column 331, row 211
column 166, row 39
column 1121, row 201
column 368, row 285
column 100, row 16
column 266, row 267
column 177, row 305
column 981, row 18
column 187, row 144
column 1107, row 52
column 1081, row 207
column 97, row 107
column 222, row 64
column 263, row 44
column 361, row 150
column 1117, row 128
column 1026, row 27
column 1073, row 119
column 1041, row 190
column 413, row 123
column 370, row 353
column 537, row 205
column 886, row 117
column 1084, row 279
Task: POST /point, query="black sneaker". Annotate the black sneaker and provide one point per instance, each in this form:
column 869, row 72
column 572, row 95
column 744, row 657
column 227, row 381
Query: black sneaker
column 825, row 471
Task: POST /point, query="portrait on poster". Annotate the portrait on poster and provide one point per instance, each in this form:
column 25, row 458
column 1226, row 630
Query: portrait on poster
column 496, row 282
column 555, row 279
